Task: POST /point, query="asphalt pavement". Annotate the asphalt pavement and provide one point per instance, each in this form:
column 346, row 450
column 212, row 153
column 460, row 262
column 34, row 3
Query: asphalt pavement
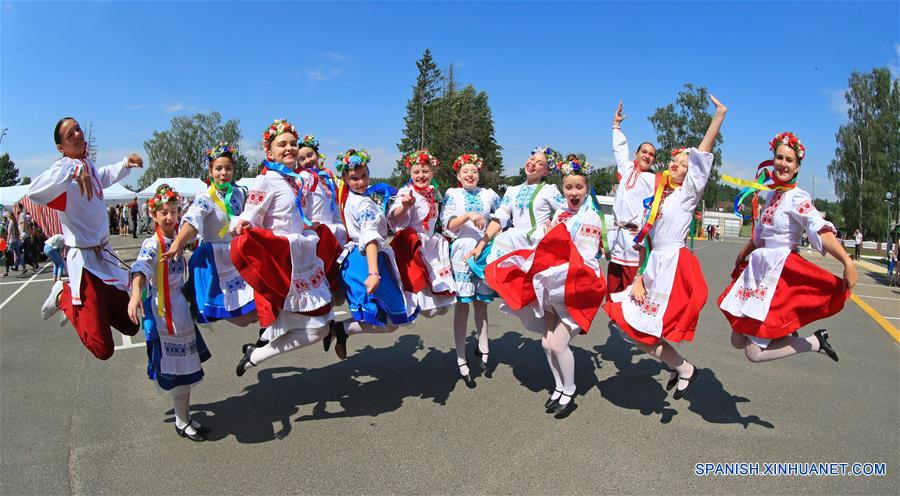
column 394, row 418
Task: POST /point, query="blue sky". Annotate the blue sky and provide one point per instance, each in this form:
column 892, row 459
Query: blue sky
column 343, row 71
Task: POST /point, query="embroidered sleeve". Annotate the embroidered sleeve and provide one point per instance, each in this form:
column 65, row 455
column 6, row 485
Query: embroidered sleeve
column 804, row 212
column 449, row 212
column 369, row 218
column 624, row 164
column 111, row 174
column 503, row 213
column 258, row 200
column 494, row 200
column 146, row 259
column 238, row 197
column 699, row 168
column 53, row 182
column 556, row 199
column 197, row 212
column 399, row 222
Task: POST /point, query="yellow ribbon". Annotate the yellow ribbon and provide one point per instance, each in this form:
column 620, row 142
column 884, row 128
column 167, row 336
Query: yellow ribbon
column 745, row 183
column 221, row 204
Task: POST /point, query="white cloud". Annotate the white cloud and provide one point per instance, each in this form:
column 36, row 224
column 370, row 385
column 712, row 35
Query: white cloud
column 316, row 75
column 383, row 160
column 253, row 151
column 337, row 57
column 838, row 102
column 168, row 108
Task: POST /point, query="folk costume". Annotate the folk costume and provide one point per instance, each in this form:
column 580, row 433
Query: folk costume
column 95, row 297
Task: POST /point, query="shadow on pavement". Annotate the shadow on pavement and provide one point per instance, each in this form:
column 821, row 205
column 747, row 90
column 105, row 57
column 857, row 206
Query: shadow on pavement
column 634, row 387
column 370, row 382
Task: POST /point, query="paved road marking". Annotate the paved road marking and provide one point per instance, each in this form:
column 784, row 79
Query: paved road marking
column 36, row 280
column 879, row 297
column 887, row 326
column 9, row 299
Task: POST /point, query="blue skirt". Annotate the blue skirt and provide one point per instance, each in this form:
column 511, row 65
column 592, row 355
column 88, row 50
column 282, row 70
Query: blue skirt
column 154, row 354
column 207, row 296
column 477, row 266
column 386, row 305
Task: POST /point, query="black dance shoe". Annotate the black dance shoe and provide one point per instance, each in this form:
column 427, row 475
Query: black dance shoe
column 673, row 381
column 679, row 393
column 326, row 341
column 241, row 366
column 200, row 428
column 824, row 345
column 563, row 411
column 470, row 383
column 340, row 338
column 195, row 437
column 551, row 403
column 483, row 362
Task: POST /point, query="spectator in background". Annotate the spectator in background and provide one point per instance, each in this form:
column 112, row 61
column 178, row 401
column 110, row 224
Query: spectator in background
column 53, row 248
column 133, row 212
column 858, row 238
column 893, row 258
column 125, row 219
column 14, row 239
column 31, row 247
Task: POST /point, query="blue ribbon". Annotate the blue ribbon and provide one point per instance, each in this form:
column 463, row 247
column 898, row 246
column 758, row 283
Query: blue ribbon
column 284, row 171
column 326, row 178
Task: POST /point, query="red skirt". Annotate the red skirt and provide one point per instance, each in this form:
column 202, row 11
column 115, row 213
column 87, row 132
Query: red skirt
column 328, row 250
column 689, row 293
column 804, row 294
column 264, row 260
column 618, row 277
column 584, row 289
column 408, row 254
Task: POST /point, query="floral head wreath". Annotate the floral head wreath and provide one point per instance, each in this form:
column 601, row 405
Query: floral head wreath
column 788, row 138
column 421, row 157
column 468, row 159
column 310, row 141
column 279, row 126
column 575, row 166
column 164, row 194
column 223, row 149
column 351, row 159
column 678, row 151
column 553, row 156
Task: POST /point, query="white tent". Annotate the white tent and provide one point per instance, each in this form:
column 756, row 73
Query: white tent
column 117, row 192
column 246, row 181
column 185, row 186
column 11, row 194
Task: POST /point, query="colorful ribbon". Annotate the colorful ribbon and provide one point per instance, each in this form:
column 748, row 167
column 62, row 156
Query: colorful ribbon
column 765, row 181
column 596, row 204
column 285, row 172
column 663, row 181
column 163, row 296
column 228, row 188
column 531, row 210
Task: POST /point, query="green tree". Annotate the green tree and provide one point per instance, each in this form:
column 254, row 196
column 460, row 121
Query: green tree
column 684, row 123
column 9, row 173
column 452, row 123
column 25, row 180
column 181, row 150
column 831, row 211
column 867, row 157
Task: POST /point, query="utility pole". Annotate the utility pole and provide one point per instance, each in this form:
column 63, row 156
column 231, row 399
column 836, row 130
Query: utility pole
column 5, row 129
column 859, row 196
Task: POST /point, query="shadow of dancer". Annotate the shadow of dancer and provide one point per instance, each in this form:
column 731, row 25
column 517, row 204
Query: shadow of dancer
column 634, row 387
column 711, row 401
column 371, row 382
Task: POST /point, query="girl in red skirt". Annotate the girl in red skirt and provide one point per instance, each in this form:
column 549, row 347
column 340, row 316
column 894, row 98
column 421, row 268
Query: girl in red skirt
column 556, row 289
column 277, row 253
column 777, row 291
column 423, row 255
column 664, row 303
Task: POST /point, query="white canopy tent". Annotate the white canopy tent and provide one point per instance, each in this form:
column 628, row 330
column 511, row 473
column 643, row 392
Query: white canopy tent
column 185, row 186
column 246, row 182
column 11, row 194
column 117, row 192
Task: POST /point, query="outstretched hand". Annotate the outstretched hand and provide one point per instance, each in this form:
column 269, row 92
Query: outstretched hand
column 172, row 253
column 619, row 117
column 720, row 107
column 135, row 160
column 240, row 226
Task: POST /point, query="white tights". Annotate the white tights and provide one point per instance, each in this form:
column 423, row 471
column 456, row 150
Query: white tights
column 561, row 359
column 352, row 328
column 666, row 353
column 778, row 348
column 181, row 401
column 291, row 340
column 460, row 319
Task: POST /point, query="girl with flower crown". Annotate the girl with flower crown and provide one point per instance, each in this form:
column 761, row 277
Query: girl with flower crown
column 96, row 296
column 557, row 288
column 423, row 256
column 636, row 182
column 371, row 281
column 219, row 291
column 279, row 254
column 467, row 210
column 175, row 348
column 523, row 208
column 777, row 291
column 663, row 304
